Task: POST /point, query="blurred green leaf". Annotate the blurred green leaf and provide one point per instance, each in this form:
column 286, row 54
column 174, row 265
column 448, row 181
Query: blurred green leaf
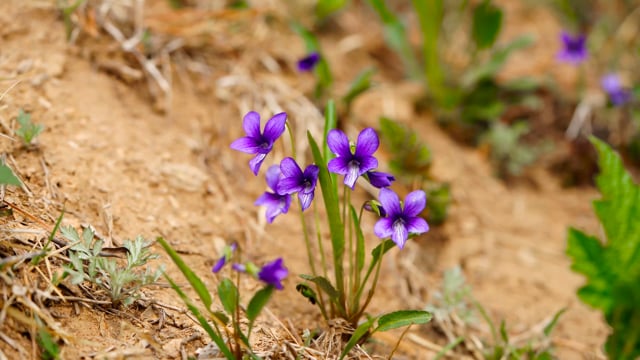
column 360, row 84
column 396, row 36
column 552, row 324
column 430, row 17
column 324, row 8
column 194, row 280
column 487, row 21
column 409, row 156
column 494, row 64
column 228, row 294
column 7, row 177
column 257, row 302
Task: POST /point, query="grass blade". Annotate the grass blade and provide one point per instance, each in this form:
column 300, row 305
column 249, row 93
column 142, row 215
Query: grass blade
column 361, row 331
column 336, row 227
column 201, row 319
column 194, row 280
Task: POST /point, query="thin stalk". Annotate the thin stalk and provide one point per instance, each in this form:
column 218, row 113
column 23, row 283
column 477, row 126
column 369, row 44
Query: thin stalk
column 312, row 262
column 236, row 320
column 406, row 330
column 323, row 259
column 357, row 272
column 351, row 278
column 371, row 291
column 345, row 196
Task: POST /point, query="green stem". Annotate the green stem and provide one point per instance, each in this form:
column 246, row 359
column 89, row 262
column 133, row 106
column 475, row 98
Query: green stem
column 323, row 261
column 236, row 320
column 323, row 258
column 307, row 243
column 358, row 273
column 371, row 291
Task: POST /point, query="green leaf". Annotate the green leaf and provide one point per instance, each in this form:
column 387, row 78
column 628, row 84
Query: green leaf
column 381, row 249
column 612, row 267
column 361, row 330
column 50, row 348
column 552, row 324
column 332, row 207
column 194, row 280
column 28, row 131
column 228, row 294
column 396, row 36
column 619, row 208
column 402, row 318
column 201, row 319
column 487, row 21
column 503, row 332
column 430, row 16
column 360, row 84
column 257, row 302
column 7, row 177
column 494, row 64
column 330, row 122
column 449, row 346
column 324, row 8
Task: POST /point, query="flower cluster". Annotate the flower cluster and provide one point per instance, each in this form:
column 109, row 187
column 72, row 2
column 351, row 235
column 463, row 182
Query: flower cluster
column 351, row 161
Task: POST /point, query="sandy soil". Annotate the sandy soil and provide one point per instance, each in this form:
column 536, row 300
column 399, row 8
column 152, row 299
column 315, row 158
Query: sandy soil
column 110, row 159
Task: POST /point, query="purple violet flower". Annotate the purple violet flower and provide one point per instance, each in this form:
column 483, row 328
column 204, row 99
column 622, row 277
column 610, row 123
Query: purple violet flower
column 309, row 62
column 226, row 256
column 612, row 85
column 256, row 142
column 380, row 179
column 352, row 164
column 276, row 202
column 296, row 181
column 574, row 48
column 273, row 273
column 400, row 222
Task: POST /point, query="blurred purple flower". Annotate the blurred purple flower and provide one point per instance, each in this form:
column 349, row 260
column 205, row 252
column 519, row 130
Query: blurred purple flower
column 296, row 181
column 612, row 85
column 276, row 202
column 400, row 222
column 309, row 62
column 380, row 179
column 574, row 48
column 352, row 164
column 256, row 142
column 226, row 256
column 273, row 273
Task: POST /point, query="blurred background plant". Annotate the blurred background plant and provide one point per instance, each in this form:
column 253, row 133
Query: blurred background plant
column 410, row 160
column 456, row 314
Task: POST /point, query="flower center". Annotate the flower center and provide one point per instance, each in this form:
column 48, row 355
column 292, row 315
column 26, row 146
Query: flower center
column 574, row 46
column 306, row 184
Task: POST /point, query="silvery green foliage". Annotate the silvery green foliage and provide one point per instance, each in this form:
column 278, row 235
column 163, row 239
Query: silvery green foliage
column 454, row 297
column 121, row 279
